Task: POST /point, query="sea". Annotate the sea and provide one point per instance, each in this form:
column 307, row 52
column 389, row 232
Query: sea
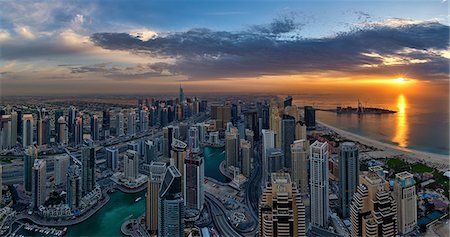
column 421, row 121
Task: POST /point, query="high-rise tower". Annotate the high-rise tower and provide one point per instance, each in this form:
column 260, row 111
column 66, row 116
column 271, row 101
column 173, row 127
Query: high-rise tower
column 319, row 184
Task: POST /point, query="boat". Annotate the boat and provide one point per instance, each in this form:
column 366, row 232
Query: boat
column 138, row 199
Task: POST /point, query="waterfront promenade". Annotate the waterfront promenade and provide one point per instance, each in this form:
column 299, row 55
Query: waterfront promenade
column 66, row 222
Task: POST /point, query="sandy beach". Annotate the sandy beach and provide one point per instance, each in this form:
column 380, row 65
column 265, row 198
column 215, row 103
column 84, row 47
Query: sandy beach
column 441, row 162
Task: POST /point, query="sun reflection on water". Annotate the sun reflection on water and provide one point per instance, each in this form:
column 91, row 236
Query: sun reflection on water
column 402, row 123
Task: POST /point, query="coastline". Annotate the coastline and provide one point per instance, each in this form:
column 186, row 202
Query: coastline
column 440, row 162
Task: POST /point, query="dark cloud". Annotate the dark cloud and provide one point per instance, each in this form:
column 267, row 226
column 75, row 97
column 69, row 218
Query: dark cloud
column 140, row 71
column 278, row 48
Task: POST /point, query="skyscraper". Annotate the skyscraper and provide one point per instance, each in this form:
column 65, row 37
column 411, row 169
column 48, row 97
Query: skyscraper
column 167, row 140
column 73, row 196
column 373, row 210
column 275, row 158
column 319, row 184
column 182, row 99
column 61, row 165
column 119, row 125
column 28, row 162
column 14, row 124
column 5, row 132
column 78, row 130
column 178, row 156
column 232, row 148
column 281, row 211
column 143, row 120
column 406, row 198
column 131, row 123
column 288, row 137
column 194, row 176
column 246, row 157
column 112, row 158
column 39, row 190
column 157, row 171
column 95, row 129
column 268, row 142
column 299, row 169
column 310, row 117
column 348, row 176
column 106, row 124
column 27, row 130
column 58, row 114
column 61, row 133
column 131, row 165
column 43, row 128
column 149, row 151
column 88, row 156
column 72, row 116
column 171, row 205
column 193, row 140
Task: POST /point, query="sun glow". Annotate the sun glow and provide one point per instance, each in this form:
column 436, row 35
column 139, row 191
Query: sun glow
column 400, row 80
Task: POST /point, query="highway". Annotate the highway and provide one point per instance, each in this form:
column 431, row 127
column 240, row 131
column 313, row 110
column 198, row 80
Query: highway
column 253, row 188
column 219, row 218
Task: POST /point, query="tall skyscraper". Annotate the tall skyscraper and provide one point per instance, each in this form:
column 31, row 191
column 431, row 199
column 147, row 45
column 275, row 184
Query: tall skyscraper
column 178, row 156
column 58, row 113
column 27, row 130
column 61, row 165
column 88, row 157
column 406, row 198
column 310, row 117
column 193, row 140
column 318, row 163
column 288, row 137
column 61, row 133
column 348, row 176
column 119, row 125
column 194, row 178
column 182, row 99
column 281, row 211
column 106, row 124
column 232, row 148
column 72, row 116
column 373, row 211
column 149, row 151
column 143, row 120
column 14, row 124
column 168, row 135
column 112, row 158
column 131, row 165
column 95, row 129
column 246, row 157
column 131, row 123
column 299, row 167
column 157, row 171
column 43, row 128
column 28, row 162
column 5, row 132
column 268, row 142
column 275, row 158
column 73, row 196
column 171, row 205
column 78, row 130
column 39, row 191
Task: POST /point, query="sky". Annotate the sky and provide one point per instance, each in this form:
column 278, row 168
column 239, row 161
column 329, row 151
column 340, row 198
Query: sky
column 136, row 47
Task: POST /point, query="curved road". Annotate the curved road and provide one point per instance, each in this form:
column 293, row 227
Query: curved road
column 219, row 218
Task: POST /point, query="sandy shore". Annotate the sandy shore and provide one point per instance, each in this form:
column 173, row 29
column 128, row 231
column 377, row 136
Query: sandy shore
column 441, row 162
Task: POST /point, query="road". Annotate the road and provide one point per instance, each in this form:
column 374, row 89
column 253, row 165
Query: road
column 219, row 218
column 253, row 188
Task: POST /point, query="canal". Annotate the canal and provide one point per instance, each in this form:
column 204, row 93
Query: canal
column 121, row 207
